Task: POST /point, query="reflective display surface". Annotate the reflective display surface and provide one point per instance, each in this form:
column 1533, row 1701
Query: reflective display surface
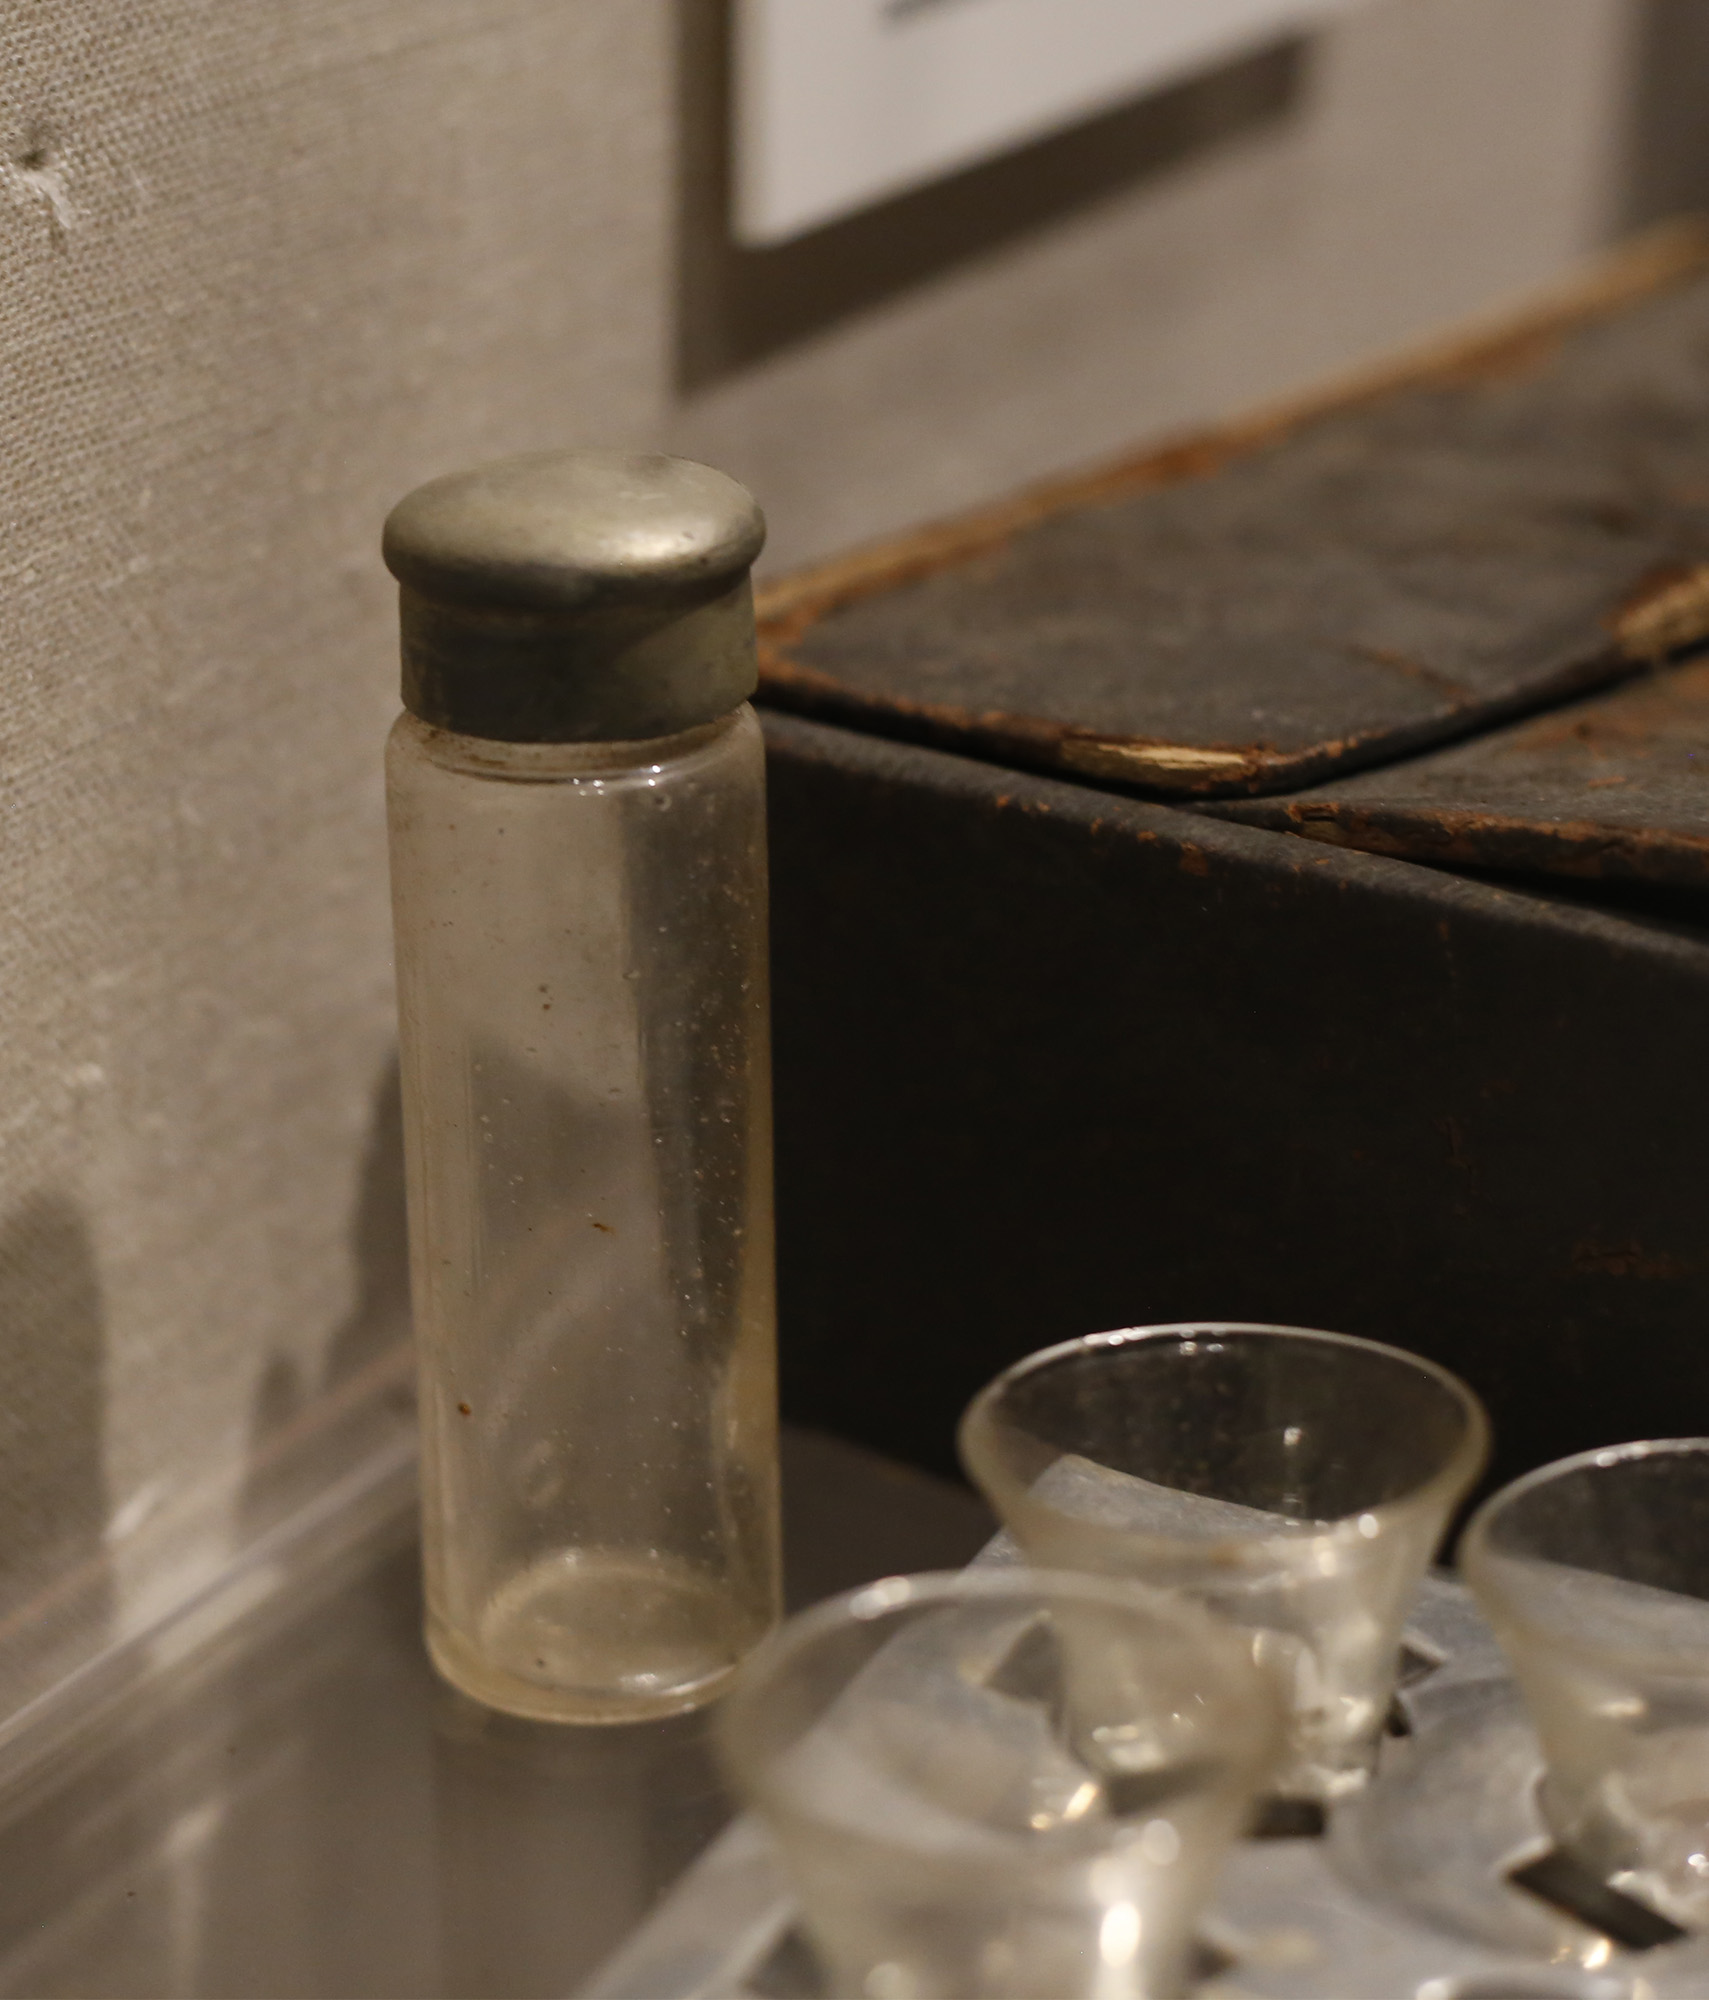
column 302, row 1809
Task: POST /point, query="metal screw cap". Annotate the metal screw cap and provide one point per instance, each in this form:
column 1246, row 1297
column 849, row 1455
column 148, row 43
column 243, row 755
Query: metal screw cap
column 576, row 596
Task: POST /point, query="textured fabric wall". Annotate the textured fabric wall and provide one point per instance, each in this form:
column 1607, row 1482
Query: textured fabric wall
column 263, row 265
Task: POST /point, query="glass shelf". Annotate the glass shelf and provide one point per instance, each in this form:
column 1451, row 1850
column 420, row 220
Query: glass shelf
column 295, row 1806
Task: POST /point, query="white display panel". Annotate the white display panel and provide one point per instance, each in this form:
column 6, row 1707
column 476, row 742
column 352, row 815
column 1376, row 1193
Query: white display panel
column 842, row 102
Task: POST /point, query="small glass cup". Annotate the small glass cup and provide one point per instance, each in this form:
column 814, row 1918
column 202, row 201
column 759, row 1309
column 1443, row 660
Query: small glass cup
column 1594, row 1573
column 1001, row 1782
column 1296, row 1483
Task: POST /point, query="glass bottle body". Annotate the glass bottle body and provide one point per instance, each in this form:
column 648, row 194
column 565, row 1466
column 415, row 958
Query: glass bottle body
column 581, row 940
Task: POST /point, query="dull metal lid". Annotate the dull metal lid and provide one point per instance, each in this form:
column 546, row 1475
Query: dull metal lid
column 577, row 596
column 1521, row 518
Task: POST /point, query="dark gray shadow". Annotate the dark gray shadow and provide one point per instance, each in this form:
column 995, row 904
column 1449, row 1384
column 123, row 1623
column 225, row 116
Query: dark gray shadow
column 737, row 305
column 279, row 1398
column 379, row 1319
column 295, row 1422
column 1667, row 147
column 54, row 1503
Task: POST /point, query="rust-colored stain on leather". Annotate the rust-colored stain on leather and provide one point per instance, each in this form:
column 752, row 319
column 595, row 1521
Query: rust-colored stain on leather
column 1627, row 1260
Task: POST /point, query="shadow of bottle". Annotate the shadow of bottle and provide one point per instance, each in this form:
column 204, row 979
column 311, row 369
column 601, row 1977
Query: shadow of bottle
column 554, row 1841
column 56, row 1593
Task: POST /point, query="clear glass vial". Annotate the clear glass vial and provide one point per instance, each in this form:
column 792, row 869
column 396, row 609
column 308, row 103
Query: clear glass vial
column 576, row 797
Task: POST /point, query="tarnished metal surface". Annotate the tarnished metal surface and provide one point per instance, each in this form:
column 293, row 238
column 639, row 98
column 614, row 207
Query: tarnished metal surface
column 1523, row 517
column 1613, row 789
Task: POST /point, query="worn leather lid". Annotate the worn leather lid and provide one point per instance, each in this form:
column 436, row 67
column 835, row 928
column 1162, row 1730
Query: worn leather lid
column 1517, row 517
